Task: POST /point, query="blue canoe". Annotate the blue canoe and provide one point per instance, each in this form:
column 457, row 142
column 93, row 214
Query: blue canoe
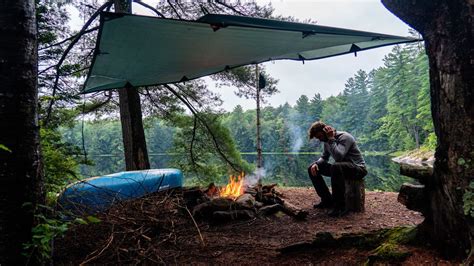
column 99, row 193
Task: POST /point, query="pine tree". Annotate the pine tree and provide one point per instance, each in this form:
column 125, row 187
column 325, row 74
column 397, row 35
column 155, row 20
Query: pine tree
column 356, row 108
column 316, row 107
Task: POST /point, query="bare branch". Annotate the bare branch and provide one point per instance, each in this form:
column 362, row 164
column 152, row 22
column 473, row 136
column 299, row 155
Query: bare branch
column 89, row 259
column 215, row 8
column 99, row 105
column 75, row 71
column 66, row 52
column 230, row 7
column 153, row 102
column 46, row 69
column 174, row 9
column 187, row 94
column 195, row 224
column 149, row 7
column 79, row 34
column 180, row 5
column 195, row 113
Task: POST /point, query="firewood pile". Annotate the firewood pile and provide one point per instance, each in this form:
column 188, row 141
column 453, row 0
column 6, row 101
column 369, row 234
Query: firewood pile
column 256, row 201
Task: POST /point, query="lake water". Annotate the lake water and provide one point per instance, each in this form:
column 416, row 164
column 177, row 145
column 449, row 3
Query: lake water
column 284, row 169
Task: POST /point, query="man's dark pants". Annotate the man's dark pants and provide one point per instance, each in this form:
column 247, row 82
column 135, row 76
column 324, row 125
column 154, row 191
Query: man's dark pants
column 338, row 172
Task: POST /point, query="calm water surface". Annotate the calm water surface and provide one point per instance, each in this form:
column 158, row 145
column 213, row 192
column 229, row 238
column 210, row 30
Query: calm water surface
column 284, row 169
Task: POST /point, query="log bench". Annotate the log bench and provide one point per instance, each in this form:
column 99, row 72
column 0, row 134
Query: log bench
column 354, row 194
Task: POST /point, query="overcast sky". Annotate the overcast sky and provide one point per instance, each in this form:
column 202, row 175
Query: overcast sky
column 325, row 76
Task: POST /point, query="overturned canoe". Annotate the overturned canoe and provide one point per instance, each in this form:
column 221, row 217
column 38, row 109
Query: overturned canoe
column 99, row 193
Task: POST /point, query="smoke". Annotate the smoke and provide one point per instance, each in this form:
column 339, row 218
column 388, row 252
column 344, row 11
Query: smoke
column 296, row 133
column 253, row 178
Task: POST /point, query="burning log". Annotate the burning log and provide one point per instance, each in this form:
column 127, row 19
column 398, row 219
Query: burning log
column 234, row 202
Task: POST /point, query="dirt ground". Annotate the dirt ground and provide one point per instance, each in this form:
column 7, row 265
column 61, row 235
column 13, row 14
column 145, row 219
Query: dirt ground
column 146, row 232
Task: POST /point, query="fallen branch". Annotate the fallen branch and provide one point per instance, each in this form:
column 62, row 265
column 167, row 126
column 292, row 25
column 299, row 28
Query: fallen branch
column 111, row 238
column 195, row 224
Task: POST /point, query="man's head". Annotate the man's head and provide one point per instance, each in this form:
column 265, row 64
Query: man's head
column 317, row 131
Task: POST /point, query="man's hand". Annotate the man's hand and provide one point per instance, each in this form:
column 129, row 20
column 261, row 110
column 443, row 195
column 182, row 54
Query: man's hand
column 314, row 169
column 329, row 132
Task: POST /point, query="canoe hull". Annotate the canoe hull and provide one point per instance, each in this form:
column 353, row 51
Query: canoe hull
column 99, row 193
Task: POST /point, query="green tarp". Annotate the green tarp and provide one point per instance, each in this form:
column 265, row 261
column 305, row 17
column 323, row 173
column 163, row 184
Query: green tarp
column 143, row 51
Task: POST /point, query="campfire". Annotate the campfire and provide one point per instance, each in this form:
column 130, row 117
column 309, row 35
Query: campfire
column 235, row 201
column 234, row 188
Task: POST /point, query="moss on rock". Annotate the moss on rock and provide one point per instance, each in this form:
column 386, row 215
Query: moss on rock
column 388, row 252
column 386, row 244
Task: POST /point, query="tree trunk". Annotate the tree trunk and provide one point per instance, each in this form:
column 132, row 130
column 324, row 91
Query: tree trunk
column 259, row 139
column 416, row 133
column 21, row 176
column 447, row 28
column 134, row 143
column 354, row 195
column 133, row 135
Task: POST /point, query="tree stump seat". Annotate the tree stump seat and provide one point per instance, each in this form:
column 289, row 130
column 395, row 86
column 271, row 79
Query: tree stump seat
column 355, row 194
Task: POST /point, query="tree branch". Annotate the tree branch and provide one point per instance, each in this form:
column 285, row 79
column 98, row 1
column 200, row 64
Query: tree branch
column 98, row 105
column 149, row 7
column 230, row 7
column 195, row 113
column 66, row 52
column 70, row 38
column 187, row 94
column 46, row 69
column 75, row 71
column 174, row 9
column 148, row 94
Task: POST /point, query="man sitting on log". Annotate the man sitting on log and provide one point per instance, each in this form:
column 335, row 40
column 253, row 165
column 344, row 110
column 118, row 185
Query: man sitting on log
column 349, row 163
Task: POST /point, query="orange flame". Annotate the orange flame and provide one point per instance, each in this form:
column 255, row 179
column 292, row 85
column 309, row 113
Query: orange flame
column 234, row 188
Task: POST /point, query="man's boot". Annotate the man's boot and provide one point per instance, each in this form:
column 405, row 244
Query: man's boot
column 324, row 204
